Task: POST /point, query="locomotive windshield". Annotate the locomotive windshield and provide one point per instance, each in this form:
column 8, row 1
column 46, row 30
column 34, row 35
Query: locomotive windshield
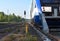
column 50, row 1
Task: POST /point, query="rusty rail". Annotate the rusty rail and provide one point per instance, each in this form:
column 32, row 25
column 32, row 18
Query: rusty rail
column 54, row 38
column 48, row 35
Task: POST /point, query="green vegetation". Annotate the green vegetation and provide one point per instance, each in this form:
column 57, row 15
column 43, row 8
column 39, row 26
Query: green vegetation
column 20, row 37
column 10, row 18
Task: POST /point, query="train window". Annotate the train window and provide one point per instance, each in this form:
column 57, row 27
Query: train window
column 50, row 1
column 46, row 9
column 59, row 9
column 47, row 1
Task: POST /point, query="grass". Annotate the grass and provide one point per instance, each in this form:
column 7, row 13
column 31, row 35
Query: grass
column 20, row 37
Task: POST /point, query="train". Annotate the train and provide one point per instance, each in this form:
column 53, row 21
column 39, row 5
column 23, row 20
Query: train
column 37, row 11
column 38, row 18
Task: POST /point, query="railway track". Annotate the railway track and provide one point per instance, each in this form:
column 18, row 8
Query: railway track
column 34, row 30
column 13, row 29
column 43, row 36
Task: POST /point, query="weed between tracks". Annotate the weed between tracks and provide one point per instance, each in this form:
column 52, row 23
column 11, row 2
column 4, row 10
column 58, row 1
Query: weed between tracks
column 20, row 37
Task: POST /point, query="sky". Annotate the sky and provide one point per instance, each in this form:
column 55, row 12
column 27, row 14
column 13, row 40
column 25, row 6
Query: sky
column 16, row 6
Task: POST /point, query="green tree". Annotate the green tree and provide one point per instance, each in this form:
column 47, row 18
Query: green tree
column 9, row 18
column 1, row 16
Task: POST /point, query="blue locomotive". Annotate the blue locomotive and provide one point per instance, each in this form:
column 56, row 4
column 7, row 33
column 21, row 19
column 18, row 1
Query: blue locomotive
column 39, row 19
column 51, row 17
column 37, row 11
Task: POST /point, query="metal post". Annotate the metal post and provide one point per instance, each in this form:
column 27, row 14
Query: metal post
column 55, row 12
column 26, row 28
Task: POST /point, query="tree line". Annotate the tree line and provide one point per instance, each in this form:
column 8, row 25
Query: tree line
column 10, row 18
